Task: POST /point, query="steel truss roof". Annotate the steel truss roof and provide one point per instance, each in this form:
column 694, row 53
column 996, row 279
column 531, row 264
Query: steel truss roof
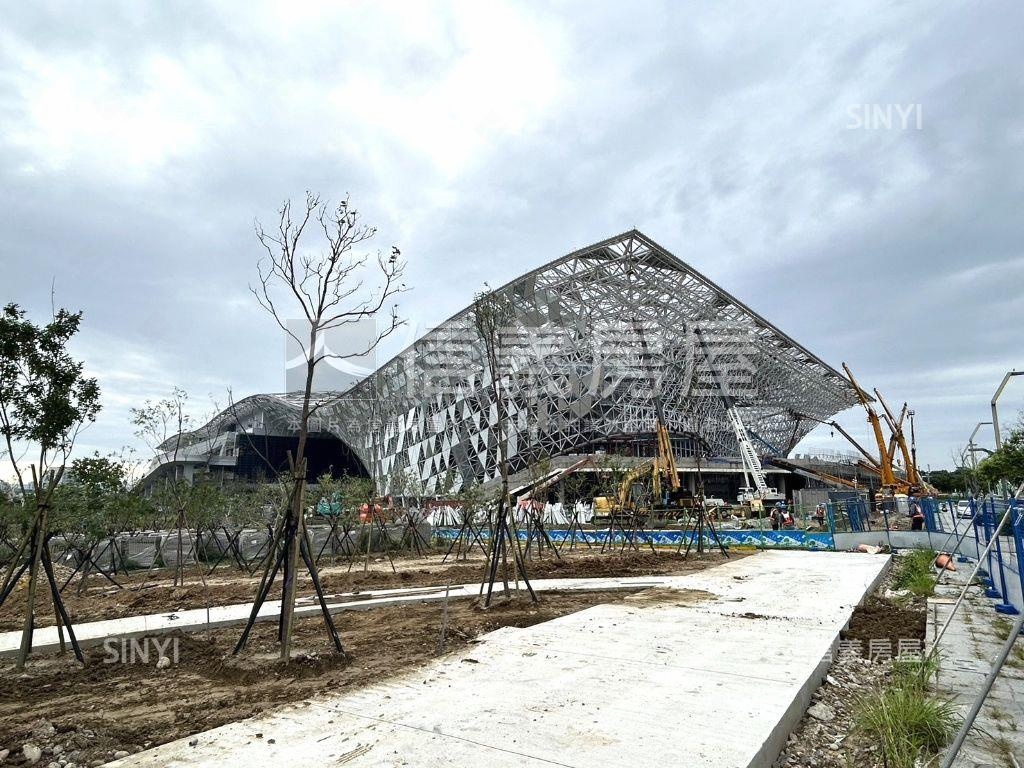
column 595, row 334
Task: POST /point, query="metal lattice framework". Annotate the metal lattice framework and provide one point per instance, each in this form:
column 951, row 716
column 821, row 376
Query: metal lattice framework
column 595, row 334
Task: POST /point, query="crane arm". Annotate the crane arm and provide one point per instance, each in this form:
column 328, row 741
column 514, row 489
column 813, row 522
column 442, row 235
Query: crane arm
column 892, row 437
column 835, row 425
column 901, row 441
column 888, row 477
column 751, row 461
column 553, row 478
column 813, row 473
column 666, row 458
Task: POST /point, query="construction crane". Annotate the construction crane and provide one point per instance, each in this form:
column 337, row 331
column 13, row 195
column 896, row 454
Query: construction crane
column 871, row 462
column 889, row 484
column 914, row 481
column 665, row 463
column 661, row 468
column 759, row 492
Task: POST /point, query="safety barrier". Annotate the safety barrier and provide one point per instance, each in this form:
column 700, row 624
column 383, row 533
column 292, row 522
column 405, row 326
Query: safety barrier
column 786, row 539
column 1001, row 571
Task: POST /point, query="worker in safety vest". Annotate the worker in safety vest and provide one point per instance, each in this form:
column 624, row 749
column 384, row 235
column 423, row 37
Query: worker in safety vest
column 819, row 517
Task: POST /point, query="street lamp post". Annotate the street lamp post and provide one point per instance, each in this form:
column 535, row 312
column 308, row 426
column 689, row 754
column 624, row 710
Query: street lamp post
column 971, row 447
column 995, row 398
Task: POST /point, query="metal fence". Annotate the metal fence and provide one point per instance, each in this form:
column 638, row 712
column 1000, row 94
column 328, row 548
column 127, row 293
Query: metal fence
column 1001, row 523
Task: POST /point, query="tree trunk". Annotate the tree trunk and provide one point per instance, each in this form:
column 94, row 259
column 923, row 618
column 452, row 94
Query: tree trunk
column 291, row 565
column 295, row 508
column 37, row 553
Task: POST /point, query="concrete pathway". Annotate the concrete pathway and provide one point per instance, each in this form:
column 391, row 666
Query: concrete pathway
column 712, row 669
column 46, row 640
column 966, row 653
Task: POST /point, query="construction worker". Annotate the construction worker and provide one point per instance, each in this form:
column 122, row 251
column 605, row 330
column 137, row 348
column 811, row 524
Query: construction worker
column 788, row 523
column 819, row 517
column 916, row 515
column 776, row 517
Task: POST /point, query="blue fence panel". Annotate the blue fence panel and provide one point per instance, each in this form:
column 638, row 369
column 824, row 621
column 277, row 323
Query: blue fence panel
column 1002, row 572
column 933, row 520
column 664, row 538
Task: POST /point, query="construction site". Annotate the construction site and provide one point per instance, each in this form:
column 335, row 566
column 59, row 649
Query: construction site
column 467, row 384
column 586, row 540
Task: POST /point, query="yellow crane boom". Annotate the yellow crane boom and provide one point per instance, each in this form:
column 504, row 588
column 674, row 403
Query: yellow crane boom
column 885, row 466
column 897, row 433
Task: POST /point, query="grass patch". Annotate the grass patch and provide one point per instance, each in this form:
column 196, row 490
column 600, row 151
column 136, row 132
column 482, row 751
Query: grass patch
column 903, row 718
column 1005, row 750
column 906, row 722
column 1016, row 657
column 915, row 673
column 915, row 572
column 1002, row 627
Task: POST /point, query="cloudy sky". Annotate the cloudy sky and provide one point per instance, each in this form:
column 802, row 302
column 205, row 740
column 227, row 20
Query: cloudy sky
column 139, row 141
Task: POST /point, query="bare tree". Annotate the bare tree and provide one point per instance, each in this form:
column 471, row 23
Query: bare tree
column 329, row 288
column 493, row 315
column 165, row 425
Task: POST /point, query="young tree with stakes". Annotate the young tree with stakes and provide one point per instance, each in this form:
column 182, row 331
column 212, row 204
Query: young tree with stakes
column 45, row 401
column 329, row 289
column 96, row 502
column 493, row 315
column 163, row 425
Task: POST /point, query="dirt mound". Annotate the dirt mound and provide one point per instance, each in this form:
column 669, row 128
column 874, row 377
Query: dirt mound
column 881, row 619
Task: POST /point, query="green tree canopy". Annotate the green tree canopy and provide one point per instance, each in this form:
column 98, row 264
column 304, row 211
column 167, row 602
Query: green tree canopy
column 1007, row 463
column 44, row 398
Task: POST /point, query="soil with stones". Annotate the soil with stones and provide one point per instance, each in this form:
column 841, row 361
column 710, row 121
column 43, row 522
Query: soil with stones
column 883, row 622
column 107, row 709
column 153, row 593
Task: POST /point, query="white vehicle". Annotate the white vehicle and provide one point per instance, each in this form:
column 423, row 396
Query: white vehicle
column 767, row 495
column 713, row 502
column 963, row 509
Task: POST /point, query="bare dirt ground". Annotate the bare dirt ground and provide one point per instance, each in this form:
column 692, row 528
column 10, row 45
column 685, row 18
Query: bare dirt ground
column 86, row 715
column 886, row 620
column 155, row 594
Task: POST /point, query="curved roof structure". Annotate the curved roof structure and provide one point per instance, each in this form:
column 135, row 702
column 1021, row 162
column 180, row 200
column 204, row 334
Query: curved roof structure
column 597, row 341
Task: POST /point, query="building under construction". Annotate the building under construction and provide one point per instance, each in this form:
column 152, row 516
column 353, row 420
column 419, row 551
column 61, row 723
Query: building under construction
column 593, row 341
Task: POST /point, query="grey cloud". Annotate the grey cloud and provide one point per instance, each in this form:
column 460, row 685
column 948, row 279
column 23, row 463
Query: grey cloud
column 719, row 130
